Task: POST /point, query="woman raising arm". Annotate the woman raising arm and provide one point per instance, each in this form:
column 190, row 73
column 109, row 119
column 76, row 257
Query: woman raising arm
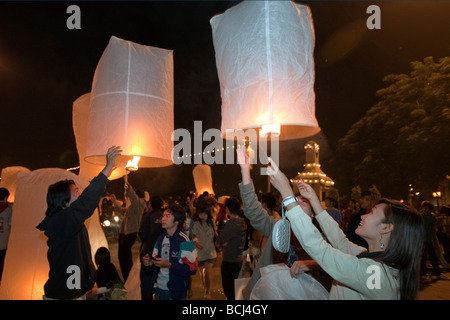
column 390, row 270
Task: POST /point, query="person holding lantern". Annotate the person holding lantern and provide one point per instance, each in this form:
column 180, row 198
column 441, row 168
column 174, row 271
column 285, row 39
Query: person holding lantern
column 129, row 228
column 72, row 272
column 390, row 269
column 296, row 258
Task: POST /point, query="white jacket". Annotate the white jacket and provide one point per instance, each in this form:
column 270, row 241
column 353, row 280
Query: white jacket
column 355, row 278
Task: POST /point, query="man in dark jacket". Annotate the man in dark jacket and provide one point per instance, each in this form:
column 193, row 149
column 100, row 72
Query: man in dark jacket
column 174, row 258
column 72, row 272
column 149, row 231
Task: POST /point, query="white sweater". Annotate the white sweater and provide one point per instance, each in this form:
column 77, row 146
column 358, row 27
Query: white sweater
column 355, row 278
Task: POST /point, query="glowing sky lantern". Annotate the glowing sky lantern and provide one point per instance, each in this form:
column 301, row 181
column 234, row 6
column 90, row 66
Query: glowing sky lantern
column 80, row 116
column 26, row 266
column 203, row 179
column 264, row 58
column 132, row 105
column 132, row 165
column 9, row 180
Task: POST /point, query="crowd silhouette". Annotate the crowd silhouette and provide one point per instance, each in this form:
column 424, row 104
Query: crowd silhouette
column 181, row 236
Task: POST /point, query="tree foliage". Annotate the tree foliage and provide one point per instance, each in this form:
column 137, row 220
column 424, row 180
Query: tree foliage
column 404, row 138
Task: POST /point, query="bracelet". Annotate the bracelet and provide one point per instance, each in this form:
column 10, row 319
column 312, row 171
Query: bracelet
column 288, row 197
column 288, row 200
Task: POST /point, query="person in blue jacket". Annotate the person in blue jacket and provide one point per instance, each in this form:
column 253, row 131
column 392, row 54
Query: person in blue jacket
column 174, row 257
column 72, row 272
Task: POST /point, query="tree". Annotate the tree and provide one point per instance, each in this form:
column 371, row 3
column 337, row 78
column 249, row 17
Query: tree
column 333, row 193
column 376, row 195
column 404, row 138
column 356, row 193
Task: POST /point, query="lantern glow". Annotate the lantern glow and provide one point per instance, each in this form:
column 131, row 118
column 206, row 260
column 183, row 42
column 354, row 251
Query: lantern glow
column 203, row 179
column 80, row 116
column 265, row 64
column 26, row 265
column 269, row 128
column 9, row 180
column 132, row 165
column 132, row 105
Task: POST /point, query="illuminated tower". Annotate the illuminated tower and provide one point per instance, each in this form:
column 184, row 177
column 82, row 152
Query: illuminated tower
column 312, row 174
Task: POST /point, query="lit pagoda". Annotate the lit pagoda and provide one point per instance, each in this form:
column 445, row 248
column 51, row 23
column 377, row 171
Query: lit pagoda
column 312, row 174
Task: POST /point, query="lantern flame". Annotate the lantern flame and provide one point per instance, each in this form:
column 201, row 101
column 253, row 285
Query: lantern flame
column 132, row 165
column 270, row 128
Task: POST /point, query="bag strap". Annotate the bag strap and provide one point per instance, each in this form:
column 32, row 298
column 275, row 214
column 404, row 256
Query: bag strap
column 283, row 212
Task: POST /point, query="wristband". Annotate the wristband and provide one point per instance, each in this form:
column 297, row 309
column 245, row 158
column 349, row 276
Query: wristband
column 288, row 200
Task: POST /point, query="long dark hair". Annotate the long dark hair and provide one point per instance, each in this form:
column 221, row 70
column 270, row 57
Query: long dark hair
column 58, row 196
column 209, row 220
column 404, row 249
column 102, row 256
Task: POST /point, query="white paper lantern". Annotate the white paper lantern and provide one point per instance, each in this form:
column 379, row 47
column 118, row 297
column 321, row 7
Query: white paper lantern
column 80, row 116
column 132, row 104
column 264, row 58
column 276, row 283
column 203, row 179
column 26, row 266
column 9, row 180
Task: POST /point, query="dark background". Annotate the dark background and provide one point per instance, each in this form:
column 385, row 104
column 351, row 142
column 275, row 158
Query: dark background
column 44, row 67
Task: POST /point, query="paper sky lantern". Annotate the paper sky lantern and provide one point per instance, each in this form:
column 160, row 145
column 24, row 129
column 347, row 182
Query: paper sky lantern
column 264, row 58
column 80, row 116
column 26, row 266
column 132, row 105
column 276, row 283
column 133, row 283
column 203, row 179
column 9, row 180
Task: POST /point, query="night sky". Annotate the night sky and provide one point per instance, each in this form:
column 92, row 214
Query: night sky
column 44, row 67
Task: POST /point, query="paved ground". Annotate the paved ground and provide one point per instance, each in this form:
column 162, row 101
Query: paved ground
column 432, row 289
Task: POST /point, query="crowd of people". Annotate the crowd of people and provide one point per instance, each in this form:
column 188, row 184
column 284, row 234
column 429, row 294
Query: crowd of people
column 244, row 225
column 182, row 236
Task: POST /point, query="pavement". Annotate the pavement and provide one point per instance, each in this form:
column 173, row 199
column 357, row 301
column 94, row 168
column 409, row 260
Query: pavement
column 434, row 289
column 431, row 289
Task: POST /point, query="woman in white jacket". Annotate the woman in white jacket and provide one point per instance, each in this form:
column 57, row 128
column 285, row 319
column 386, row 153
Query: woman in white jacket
column 390, row 269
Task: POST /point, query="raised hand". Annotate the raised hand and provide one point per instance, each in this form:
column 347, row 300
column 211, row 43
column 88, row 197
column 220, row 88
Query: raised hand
column 243, row 158
column 305, row 189
column 308, row 192
column 111, row 156
column 244, row 163
column 279, row 180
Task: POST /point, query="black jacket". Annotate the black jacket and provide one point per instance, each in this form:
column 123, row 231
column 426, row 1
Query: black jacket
column 68, row 244
column 107, row 275
column 150, row 230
